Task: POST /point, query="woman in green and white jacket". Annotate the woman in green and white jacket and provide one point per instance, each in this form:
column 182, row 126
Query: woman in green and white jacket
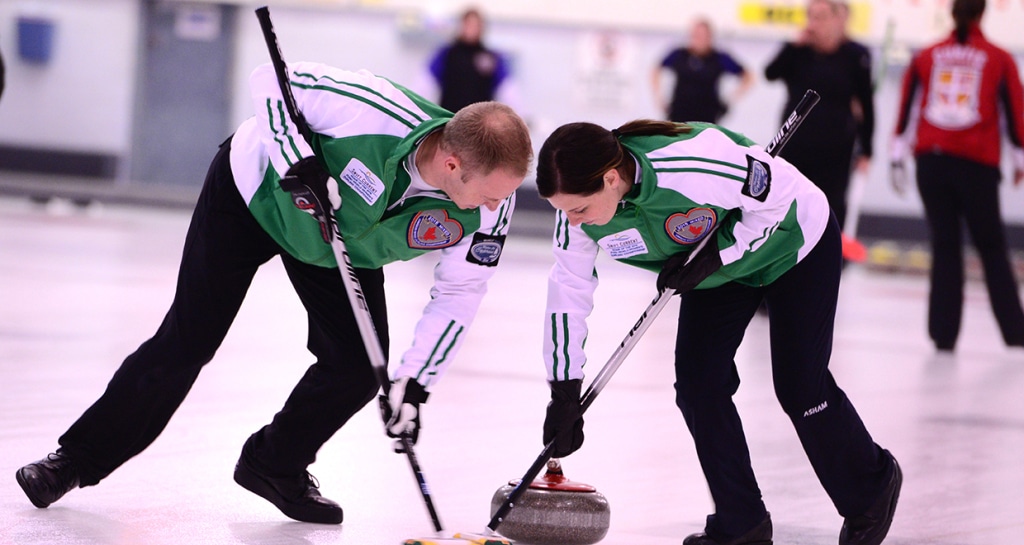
column 652, row 193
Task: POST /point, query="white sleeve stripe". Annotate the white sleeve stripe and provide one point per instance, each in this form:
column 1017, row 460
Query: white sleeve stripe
column 283, row 132
column 367, row 95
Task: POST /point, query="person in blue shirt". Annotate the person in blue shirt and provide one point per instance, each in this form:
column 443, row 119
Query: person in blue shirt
column 465, row 70
column 698, row 68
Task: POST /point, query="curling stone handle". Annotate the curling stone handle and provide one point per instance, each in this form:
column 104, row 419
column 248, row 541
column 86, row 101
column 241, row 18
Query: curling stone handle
column 555, row 466
column 554, row 475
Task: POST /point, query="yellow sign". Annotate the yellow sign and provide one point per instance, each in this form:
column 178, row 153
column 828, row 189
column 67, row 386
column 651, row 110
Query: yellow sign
column 758, row 14
column 790, row 14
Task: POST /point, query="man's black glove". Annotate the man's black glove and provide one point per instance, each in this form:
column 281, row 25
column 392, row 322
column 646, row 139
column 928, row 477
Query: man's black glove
column 681, row 276
column 564, row 421
column 315, row 192
column 402, row 411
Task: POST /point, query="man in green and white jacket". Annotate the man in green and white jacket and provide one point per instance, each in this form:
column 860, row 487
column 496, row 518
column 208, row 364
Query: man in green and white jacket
column 405, row 178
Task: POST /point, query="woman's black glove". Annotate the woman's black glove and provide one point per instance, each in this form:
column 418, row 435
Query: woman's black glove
column 682, row 274
column 564, row 420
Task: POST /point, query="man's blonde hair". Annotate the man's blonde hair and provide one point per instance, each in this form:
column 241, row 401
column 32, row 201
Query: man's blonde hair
column 486, row 136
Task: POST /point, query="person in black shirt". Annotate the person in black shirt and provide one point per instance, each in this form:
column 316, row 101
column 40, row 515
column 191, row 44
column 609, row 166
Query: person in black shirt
column 698, row 68
column 840, row 71
column 466, row 70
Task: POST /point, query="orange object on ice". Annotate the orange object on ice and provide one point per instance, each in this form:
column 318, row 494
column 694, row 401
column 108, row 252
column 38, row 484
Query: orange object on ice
column 854, row 250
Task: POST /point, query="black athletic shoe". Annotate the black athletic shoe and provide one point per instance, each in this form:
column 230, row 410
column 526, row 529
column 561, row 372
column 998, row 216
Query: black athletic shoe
column 46, row 480
column 296, row 496
column 759, row 535
column 871, row 527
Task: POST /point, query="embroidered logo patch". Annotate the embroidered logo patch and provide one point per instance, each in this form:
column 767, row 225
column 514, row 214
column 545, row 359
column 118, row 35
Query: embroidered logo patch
column 623, row 244
column 485, row 249
column 692, row 226
column 759, row 179
column 362, row 180
column 954, row 94
column 432, row 230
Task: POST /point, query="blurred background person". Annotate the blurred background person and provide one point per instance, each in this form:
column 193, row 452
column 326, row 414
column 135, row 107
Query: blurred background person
column 467, row 71
column 823, row 59
column 956, row 89
column 698, row 68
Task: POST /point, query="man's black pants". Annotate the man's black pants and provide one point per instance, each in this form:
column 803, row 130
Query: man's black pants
column 223, row 249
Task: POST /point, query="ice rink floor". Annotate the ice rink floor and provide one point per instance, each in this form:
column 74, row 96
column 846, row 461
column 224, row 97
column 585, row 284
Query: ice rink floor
column 81, row 288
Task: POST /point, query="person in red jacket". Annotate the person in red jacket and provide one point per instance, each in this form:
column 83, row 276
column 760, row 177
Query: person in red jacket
column 960, row 85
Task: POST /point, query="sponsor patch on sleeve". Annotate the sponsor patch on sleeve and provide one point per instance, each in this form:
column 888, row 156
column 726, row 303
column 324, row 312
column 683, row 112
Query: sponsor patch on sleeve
column 759, row 179
column 485, row 249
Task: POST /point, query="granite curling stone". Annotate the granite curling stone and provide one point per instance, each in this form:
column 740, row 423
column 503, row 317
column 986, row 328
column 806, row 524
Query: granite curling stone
column 554, row 511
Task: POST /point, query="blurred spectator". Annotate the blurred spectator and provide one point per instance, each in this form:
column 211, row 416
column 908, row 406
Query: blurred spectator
column 467, row 71
column 957, row 88
column 823, row 59
column 844, row 23
column 698, row 68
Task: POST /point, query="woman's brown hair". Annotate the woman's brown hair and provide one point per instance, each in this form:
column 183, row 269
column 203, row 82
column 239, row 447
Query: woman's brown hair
column 575, row 157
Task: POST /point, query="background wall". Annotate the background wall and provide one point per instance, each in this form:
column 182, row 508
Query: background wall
column 84, row 99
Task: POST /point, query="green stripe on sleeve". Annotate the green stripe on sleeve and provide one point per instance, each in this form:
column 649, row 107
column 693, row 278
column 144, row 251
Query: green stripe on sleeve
column 448, row 349
column 357, row 86
column 279, row 134
column 502, row 218
column 700, row 160
column 433, row 352
column 562, row 231
column 703, row 171
column 284, row 124
column 565, row 345
column 554, row 340
column 364, row 100
column 767, row 232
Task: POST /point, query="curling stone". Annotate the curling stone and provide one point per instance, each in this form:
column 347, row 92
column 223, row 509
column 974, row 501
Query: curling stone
column 554, row 511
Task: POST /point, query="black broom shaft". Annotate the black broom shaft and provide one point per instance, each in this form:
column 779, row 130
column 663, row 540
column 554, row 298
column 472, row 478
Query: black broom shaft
column 277, row 60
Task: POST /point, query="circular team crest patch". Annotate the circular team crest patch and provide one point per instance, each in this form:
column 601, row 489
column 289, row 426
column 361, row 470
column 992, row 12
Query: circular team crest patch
column 692, row 226
column 433, row 229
